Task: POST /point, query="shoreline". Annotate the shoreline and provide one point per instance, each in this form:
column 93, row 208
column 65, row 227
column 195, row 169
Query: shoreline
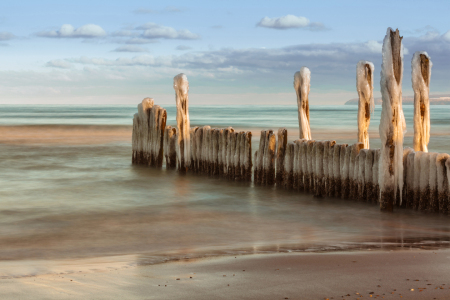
column 307, row 275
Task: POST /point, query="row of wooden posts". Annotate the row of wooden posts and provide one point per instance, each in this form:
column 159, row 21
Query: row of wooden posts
column 213, row 151
column 323, row 168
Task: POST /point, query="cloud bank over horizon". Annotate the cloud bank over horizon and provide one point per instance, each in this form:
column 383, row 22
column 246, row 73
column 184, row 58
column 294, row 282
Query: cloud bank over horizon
column 139, row 54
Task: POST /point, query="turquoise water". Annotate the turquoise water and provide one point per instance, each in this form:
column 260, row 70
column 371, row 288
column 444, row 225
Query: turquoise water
column 68, row 189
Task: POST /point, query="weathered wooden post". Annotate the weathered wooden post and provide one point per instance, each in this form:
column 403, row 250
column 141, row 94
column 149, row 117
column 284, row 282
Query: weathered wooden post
column 376, row 175
column 339, row 157
column 216, row 153
column 259, row 162
column 181, row 87
column 281, row 152
column 199, row 143
column 205, row 149
column 368, row 176
column 345, row 171
column 442, row 181
column 410, row 180
column 237, row 156
column 141, row 131
column 353, row 170
column 304, row 161
column 302, row 85
column 248, row 157
column 309, row 178
column 327, row 163
column 193, row 150
column 269, row 159
column 330, row 163
column 361, row 177
column 424, row 185
column 433, row 204
column 364, row 85
column 420, row 77
column 392, row 124
column 170, row 142
column 319, row 186
column 288, row 166
column 227, row 150
column 156, row 141
column 232, row 146
column 295, row 166
column 406, row 152
column 417, row 170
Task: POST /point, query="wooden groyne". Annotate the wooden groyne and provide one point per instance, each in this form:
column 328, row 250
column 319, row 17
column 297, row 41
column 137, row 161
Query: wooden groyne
column 392, row 176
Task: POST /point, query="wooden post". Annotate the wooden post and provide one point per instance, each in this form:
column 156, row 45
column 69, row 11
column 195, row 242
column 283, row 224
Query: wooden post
column 353, row 166
column 193, row 150
column 255, row 168
column 199, row 145
column 259, row 162
column 220, row 153
column 141, row 131
column 392, row 123
column 376, row 176
column 269, row 159
column 237, row 157
column 433, row 205
column 345, row 190
column 442, row 181
column 417, row 169
column 205, row 145
column 304, row 162
column 335, row 185
column 170, row 147
column 299, row 154
column 216, row 153
column 248, row 157
column 319, row 188
column 227, row 158
column 424, row 184
column 210, row 136
column 364, row 85
column 327, row 166
column 232, row 146
column 302, row 86
column 420, row 77
column 181, row 87
column 281, row 152
column 295, row 166
column 309, row 178
column 361, row 176
column 404, row 191
column 288, row 166
column 330, row 174
column 409, row 199
column 368, row 173
column 338, row 166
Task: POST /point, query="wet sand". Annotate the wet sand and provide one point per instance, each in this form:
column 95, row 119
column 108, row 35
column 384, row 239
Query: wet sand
column 407, row 274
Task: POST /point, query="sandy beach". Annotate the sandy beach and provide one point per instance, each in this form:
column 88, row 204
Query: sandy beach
column 407, row 274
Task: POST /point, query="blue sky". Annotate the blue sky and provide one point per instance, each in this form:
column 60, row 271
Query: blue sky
column 233, row 52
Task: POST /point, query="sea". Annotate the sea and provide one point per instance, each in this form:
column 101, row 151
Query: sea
column 68, row 191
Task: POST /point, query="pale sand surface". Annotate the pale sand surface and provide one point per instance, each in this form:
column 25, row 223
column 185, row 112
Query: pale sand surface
column 332, row 275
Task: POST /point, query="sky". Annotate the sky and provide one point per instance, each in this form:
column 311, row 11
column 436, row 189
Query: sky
column 233, row 52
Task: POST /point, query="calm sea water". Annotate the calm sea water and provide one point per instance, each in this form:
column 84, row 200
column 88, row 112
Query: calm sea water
column 68, row 189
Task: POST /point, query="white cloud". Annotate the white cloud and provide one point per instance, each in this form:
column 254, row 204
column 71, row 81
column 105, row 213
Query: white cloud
column 5, row 36
column 130, row 48
column 68, row 31
column 125, row 33
column 59, row 63
column 183, row 47
column 140, row 41
column 155, row 31
column 374, row 46
column 446, row 36
column 290, row 21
